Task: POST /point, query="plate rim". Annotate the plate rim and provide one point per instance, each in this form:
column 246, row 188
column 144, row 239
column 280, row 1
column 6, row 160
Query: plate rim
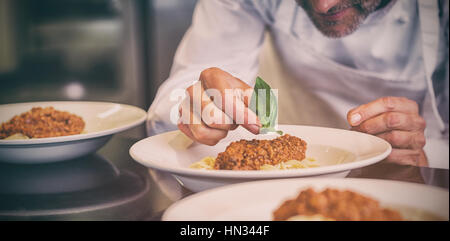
column 77, row 137
column 332, row 181
column 233, row 174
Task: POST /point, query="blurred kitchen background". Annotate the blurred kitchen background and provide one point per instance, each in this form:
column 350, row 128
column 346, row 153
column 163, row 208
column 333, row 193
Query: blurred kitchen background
column 116, row 51
column 94, row 50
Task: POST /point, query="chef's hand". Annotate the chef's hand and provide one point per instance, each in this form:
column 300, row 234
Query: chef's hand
column 222, row 107
column 396, row 120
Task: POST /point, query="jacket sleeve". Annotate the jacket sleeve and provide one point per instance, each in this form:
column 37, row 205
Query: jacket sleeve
column 224, row 33
column 441, row 74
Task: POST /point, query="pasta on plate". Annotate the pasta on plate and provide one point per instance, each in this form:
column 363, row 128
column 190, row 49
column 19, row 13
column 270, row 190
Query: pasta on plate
column 281, row 153
column 208, row 163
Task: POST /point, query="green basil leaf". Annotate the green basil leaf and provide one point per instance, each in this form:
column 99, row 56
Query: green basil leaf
column 264, row 104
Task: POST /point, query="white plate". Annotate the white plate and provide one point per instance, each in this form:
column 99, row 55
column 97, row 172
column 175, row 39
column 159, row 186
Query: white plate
column 258, row 200
column 337, row 151
column 102, row 121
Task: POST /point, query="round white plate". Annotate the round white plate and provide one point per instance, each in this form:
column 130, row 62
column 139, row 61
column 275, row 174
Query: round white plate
column 102, row 121
column 257, row 200
column 336, row 151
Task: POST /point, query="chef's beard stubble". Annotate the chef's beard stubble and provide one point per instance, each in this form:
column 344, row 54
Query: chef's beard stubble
column 351, row 23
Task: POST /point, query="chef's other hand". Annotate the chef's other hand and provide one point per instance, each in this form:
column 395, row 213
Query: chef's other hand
column 396, row 120
column 215, row 104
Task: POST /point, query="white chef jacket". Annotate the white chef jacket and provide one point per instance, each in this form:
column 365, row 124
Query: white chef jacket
column 390, row 54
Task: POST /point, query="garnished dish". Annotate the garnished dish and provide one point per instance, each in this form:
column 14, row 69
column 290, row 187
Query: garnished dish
column 54, row 131
column 40, row 123
column 284, row 152
column 312, row 199
column 323, row 151
column 334, row 205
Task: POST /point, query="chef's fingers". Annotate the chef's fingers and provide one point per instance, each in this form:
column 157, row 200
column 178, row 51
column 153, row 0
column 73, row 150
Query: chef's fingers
column 381, row 105
column 408, row 157
column 206, row 135
column 404, row 139
column 242, row 115
column 235, row 95
column 215, row 78
column 201, row 102
column 391, row 121
column 197, row 130
column 185, row 129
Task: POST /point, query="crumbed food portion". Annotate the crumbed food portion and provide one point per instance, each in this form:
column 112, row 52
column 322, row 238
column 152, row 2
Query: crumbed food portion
column 251, row 155
column 337, row 205
column 43, row 122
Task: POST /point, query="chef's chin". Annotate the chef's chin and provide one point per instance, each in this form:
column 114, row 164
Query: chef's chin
column 341, row 27
column 338, row 30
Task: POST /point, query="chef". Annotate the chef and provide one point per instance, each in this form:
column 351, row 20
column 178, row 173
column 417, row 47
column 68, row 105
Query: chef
column 382, row 65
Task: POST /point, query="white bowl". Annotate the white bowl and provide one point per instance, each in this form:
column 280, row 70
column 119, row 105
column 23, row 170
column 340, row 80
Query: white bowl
column 102, row 121
column 336, row 151
column 257, row 200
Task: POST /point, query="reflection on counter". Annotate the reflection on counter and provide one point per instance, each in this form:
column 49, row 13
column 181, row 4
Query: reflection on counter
column 81, row 189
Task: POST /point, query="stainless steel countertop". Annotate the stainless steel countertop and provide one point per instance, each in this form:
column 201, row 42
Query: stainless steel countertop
column 110, row 185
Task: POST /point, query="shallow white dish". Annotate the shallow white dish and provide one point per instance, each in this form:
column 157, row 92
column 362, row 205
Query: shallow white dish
column 257, row 200
column 336, row 151
column 102, row 121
